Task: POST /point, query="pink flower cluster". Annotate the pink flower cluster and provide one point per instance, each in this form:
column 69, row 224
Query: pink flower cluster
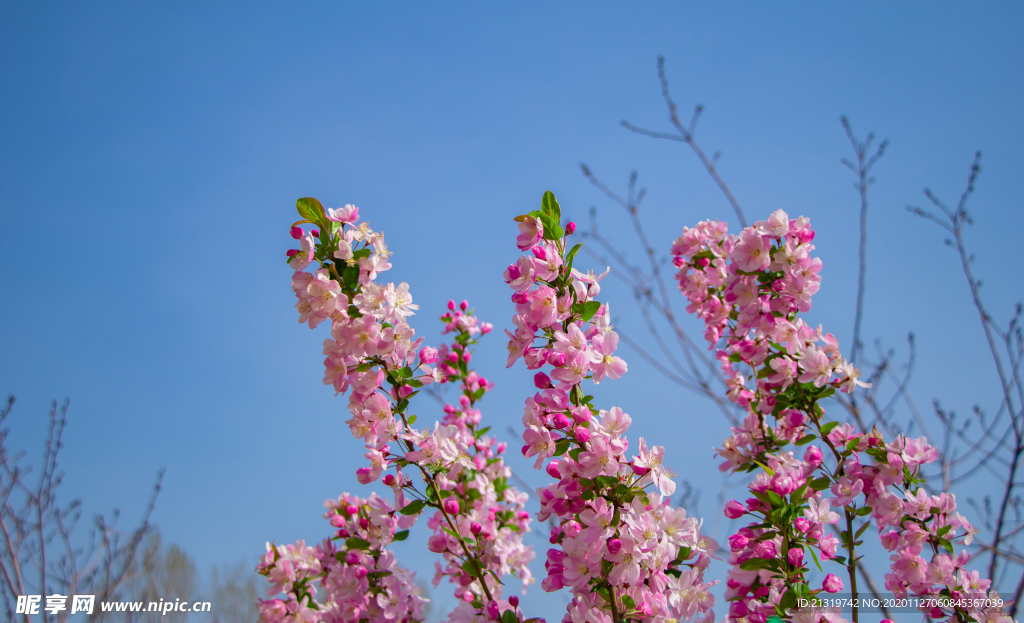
column 358, row 581
column 749, row 290
column 478, row 518
column 623, row 550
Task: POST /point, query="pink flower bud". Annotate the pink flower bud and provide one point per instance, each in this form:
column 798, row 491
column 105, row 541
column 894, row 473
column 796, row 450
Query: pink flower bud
column 765, row 549
column 352, row 558
column 464, row 305
column 570, row 228
column 572, row 528
column 738, row 609
column 492, row 610
column 614, row 546
column 315, row 232
column 437, row 543
column 389, row 480
column 351, row 509
column 737, row 542
column 734, row 510
column 451, row 304
column 813, row 456
column 704, row 262
column 292, row 252
column 552, row 469
column 560, row 420
column 514, row 602
column 582, row 434
column 783, row 485
column 802, row 524
column 466, row 356
column 556, row 359
column 364, row 523
column 486, row 327
column 337, row 521
column 541, row 380
column 296, row 232
column 832, row 584
column 475, row 528
column 639, row 471
column 451, row 507
column 428, row 354
column 360, row 572
column 795, row 557
column 540, row 253
column 762, row 591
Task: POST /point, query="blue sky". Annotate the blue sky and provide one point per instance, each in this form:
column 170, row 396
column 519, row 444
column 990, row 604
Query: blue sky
column 151, row 154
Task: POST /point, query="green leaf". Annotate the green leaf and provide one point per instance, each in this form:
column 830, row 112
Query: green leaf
column 412, row 507
column 561, row 446
column 753, row 564
column 572, row 253
column 806, row 439
column 775, row 498
column 628, row 602
column 549, row 206
column 508, row 616
column 864, row 510
column 401, row 535
column 820, row 484
column 357, row 543
column 815, row 557
column 552, row 231
column 827, row 427
column 589, row 309
column 310, row 209
column 788, row 600
column 471, row 567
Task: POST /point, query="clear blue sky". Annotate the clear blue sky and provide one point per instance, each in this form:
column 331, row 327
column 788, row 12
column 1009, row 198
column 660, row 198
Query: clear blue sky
column 151, row 155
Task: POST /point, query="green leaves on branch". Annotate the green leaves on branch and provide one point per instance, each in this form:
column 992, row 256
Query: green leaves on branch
column 357, row 543
column 586, row 310
column 549, row 206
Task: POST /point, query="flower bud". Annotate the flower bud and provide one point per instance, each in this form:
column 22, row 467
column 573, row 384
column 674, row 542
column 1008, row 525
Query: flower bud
column 475, row 528
column 486, row 327
column 560, row 420
column 552, row 469
column 796, row 557
column 734, row 510
column 428, row 354
column 351, row 509
column 540, row 253
column 292, row 252
column 360, row 572
column 556, row 359
column 451, row 304
column 364, row 523
column 614, row 546
column 389, row 480
column 813, row 456
column 582, row 434
column 570, row 228
column 296, row 232
column 802, row 524
column 492, row 610
column 541, row 380
column 514, row 602
column 737, row 542
column 316, row 233
column 832, row 583
column 451, row 506
column 464, row 305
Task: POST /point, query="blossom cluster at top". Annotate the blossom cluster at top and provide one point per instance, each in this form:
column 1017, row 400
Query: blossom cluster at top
column 453, row 468
column 749, row 290
column 619, row 545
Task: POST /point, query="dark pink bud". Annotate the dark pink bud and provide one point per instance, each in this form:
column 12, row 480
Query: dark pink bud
column 737, row 542
column 451, row 304
column 813, row 456
column 556, row 359
column 451, row 507
column 316, row 233
column 639, row 471
column 614, row 546
column 570, row 228
column 540, row 253
column 582, row 434
column 351, row 509
column 738, row 609
column 734, row 510
column 541, row 380
column 475, row 528
column 292, row 252
column 428, row 354
column 561, row 420
column 389, row 480
column 364, row 523
column 464, row 305
column 296, row 232
column 483, row 382
column 352, row 558
column 360, row 572
column 802, row 524
column 492, row 610
column 466, row 356
column 514, row 602
column 762, row 591
column 796, row 557
column 704, row 262
column 552, row 469
column 833, row 584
